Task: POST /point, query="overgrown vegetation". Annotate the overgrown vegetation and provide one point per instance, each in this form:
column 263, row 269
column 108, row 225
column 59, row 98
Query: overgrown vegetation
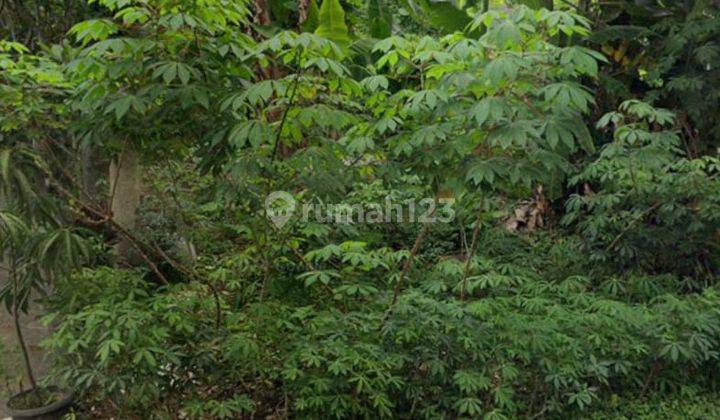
column 563, row 158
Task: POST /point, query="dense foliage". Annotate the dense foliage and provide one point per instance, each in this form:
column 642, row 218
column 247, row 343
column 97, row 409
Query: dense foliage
column 564, row 160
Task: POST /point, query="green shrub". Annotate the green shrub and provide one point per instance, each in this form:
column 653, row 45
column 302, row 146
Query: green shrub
column 529, row 339
column 689, row 403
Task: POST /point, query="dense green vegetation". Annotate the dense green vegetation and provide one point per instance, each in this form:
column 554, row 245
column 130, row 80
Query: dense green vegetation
column 564, row 158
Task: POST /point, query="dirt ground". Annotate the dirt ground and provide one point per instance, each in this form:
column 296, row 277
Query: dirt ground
column 11, row 370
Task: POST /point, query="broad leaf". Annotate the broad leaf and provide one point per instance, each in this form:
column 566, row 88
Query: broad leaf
column 332, row 23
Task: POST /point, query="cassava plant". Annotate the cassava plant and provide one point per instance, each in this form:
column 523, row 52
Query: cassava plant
column 216, row 104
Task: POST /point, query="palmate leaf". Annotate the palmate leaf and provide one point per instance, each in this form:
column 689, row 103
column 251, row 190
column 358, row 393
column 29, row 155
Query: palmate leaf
column 93, row 30
column 569, row 131
column 562, row 95
column 485, row 171
column 469, row 405
column 332, row 23
column 506, row 35
column 171, row 70
column 254, row 132
column 501, row 70
column 470, row 382
column 361, row 144
column 489, row 110
column 583, row 60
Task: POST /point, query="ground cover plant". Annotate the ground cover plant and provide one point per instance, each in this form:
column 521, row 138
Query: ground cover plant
column 412, row 209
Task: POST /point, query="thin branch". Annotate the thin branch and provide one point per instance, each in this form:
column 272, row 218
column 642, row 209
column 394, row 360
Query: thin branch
column 16, row 319
column 470, row 255
column 630, row 225
column 408, row 263
column 289, row 105
column 413, row 252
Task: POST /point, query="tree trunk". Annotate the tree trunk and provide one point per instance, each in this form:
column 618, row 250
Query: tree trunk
column 261, row 12
column 303, row 8
column 16, row 320
column 125, row 195
column 23, row 347
column 91, row 171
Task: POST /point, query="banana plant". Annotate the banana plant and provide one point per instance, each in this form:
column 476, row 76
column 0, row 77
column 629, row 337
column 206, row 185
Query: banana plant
column 332, row 23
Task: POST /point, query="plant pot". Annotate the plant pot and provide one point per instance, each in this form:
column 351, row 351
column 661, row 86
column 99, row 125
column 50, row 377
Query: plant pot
column 53, row 410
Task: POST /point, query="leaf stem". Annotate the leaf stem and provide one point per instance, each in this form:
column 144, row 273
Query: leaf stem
column 289, row 105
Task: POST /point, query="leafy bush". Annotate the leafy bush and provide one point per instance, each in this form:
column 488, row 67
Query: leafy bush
column 654, row 206
column 527, row 342
column 690, row 403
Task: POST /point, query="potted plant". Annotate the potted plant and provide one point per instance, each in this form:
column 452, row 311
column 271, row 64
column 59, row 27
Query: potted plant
column 35, row 246
column 35, row 250
column 40, row 403
column 31, row 255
